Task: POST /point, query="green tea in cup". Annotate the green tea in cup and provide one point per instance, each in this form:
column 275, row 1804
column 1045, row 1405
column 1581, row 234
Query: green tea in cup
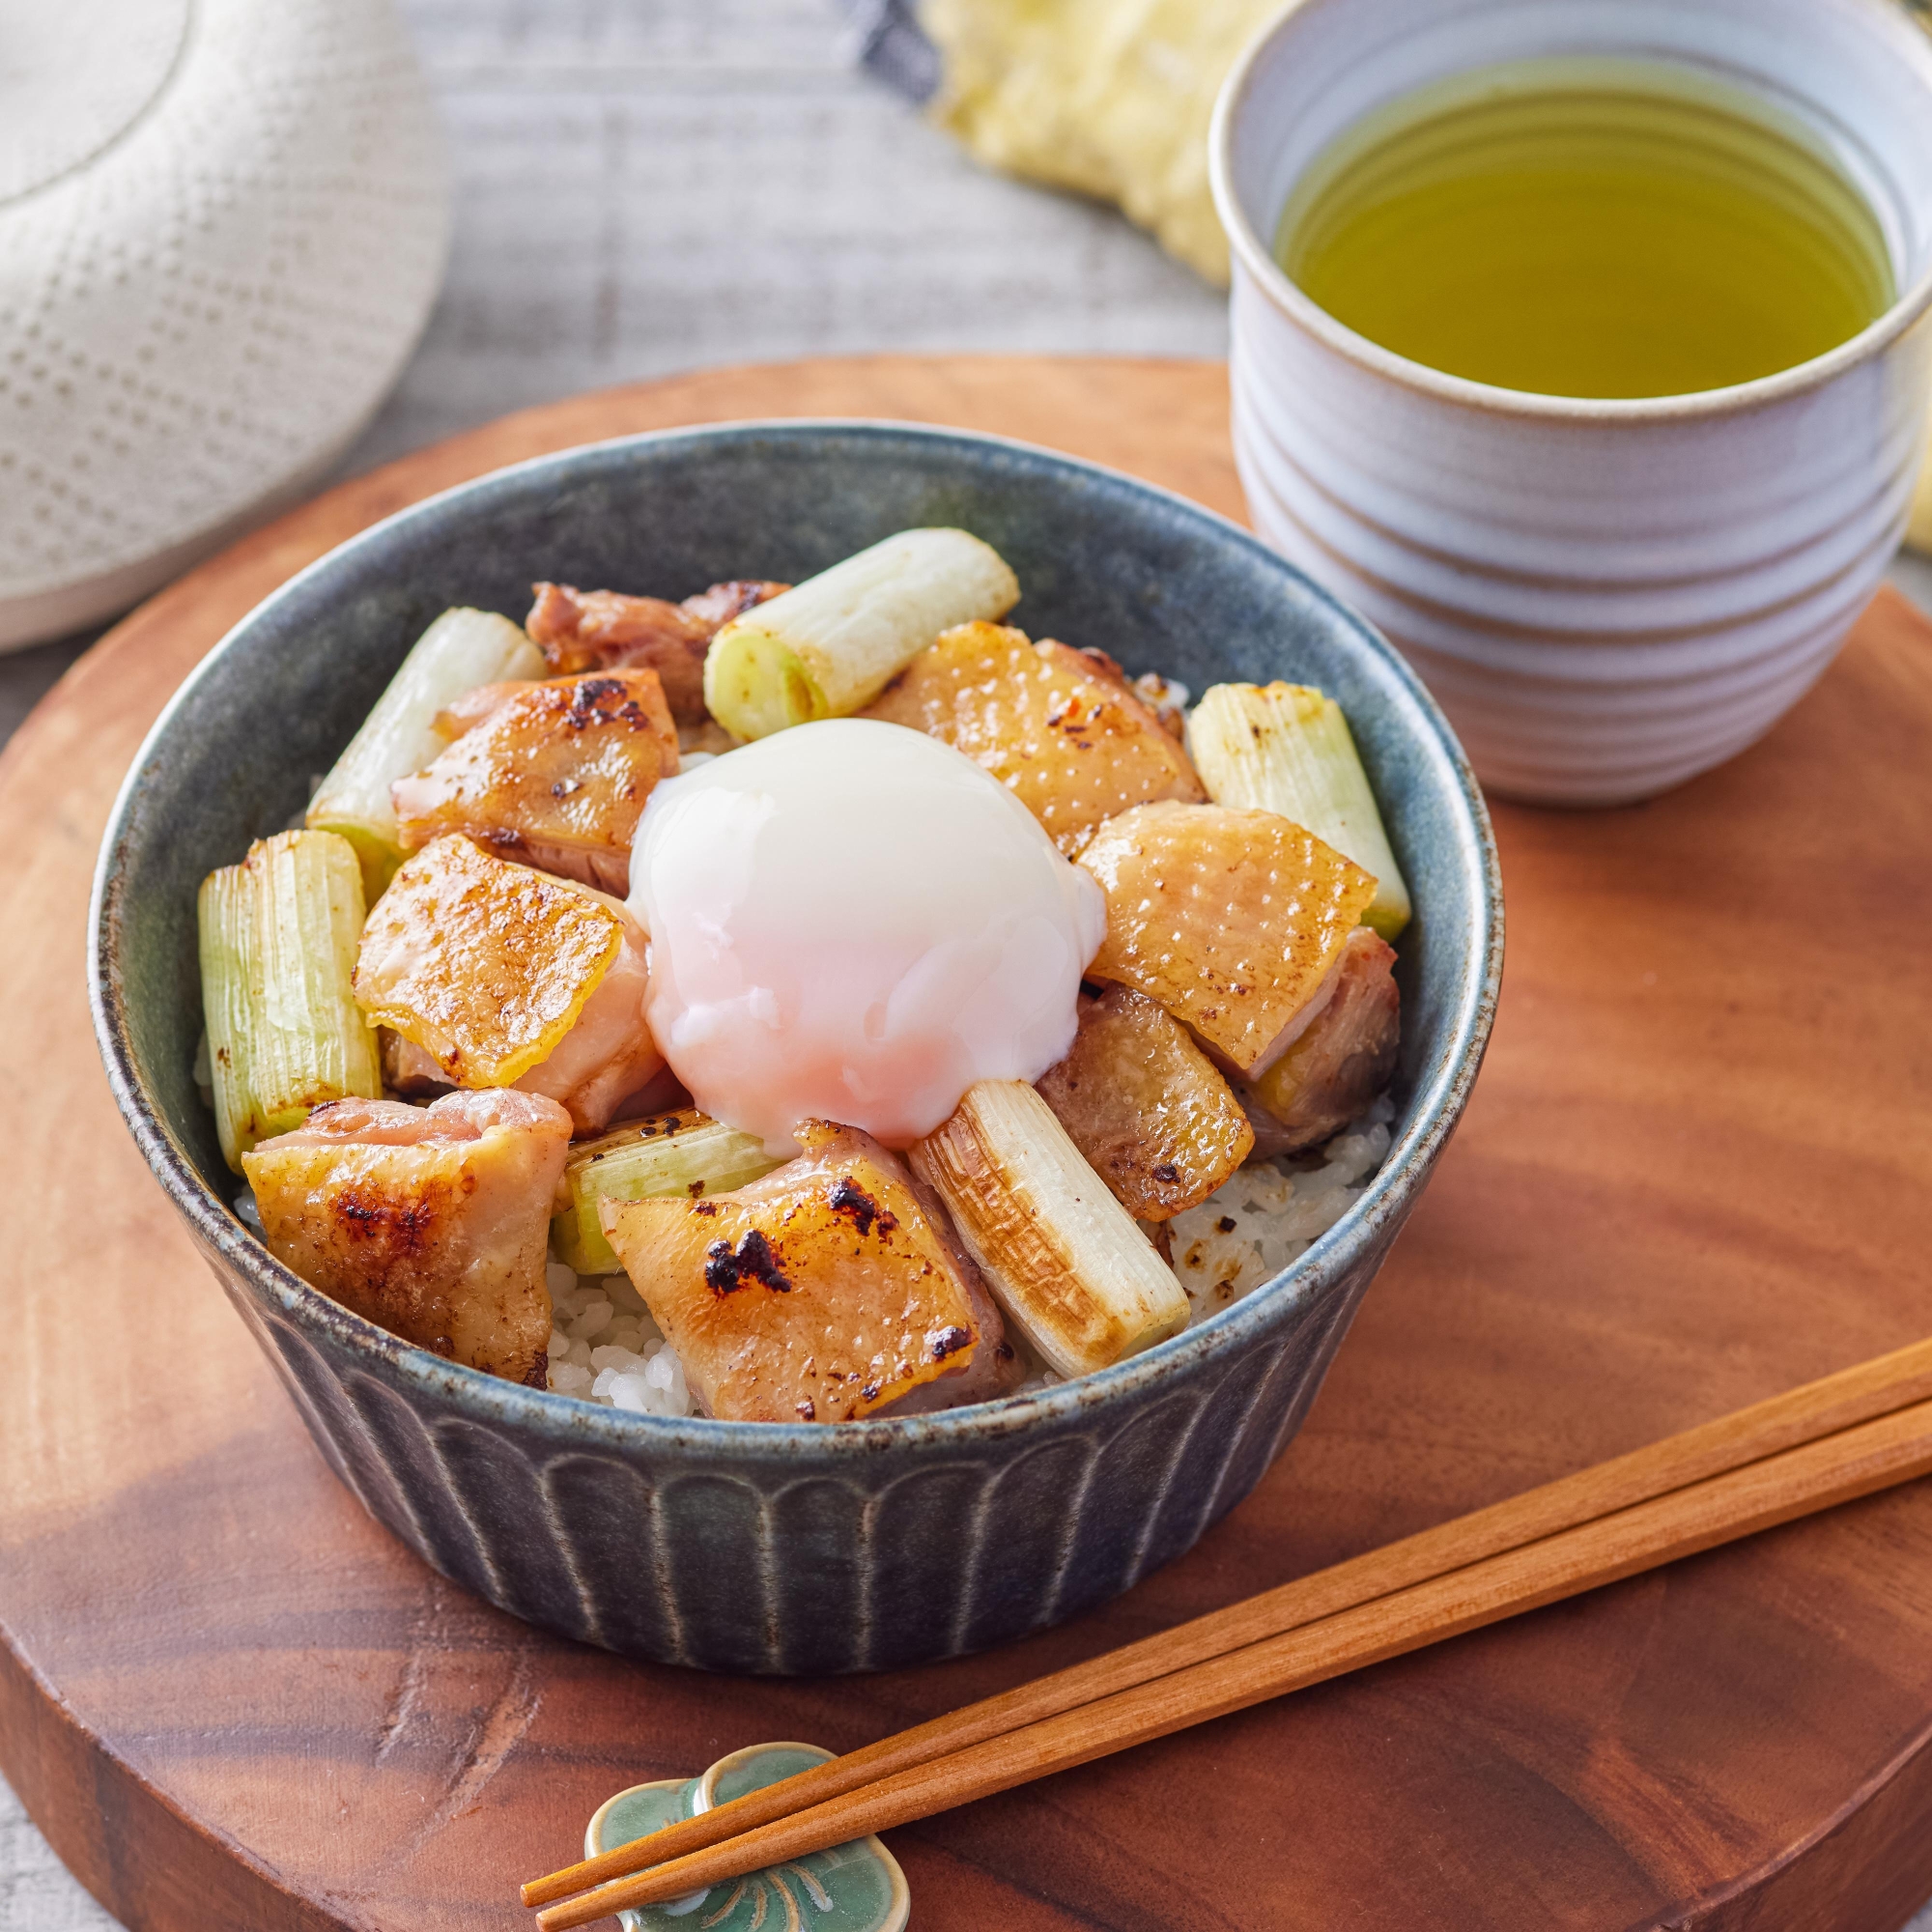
column 1588, row 227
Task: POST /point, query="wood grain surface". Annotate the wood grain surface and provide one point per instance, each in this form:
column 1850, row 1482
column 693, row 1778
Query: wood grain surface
column 1695, row 1171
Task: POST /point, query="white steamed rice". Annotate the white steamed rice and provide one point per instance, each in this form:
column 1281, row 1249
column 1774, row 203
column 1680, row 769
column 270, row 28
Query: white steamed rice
column 1257, row 1222
column 605, row 1347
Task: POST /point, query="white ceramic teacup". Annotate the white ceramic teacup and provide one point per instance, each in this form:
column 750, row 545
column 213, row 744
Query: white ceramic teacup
column 1606, row 596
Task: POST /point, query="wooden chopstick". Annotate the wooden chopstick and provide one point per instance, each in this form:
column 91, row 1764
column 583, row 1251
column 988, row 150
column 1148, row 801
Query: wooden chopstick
column 1773, row 1489
column 1802, row 1415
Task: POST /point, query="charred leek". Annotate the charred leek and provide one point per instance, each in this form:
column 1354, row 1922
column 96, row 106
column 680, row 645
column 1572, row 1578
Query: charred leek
column 831, row 643
column 1286, row 748
column 1068, row 1265
column 682, row 1155
column 461, row 650
column 278, row 938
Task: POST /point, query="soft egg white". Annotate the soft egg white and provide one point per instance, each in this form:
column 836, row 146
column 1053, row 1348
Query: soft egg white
column 850, row 920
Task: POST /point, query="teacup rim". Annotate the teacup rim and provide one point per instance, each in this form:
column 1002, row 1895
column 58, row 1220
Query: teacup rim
column 1908, row 308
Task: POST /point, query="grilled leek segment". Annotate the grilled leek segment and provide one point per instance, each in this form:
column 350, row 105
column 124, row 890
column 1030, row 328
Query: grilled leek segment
column 1286, row 748
column 684, row 1156
column 461, row 650
column 1064, row 1259
column 278, row 939
column 830, row 644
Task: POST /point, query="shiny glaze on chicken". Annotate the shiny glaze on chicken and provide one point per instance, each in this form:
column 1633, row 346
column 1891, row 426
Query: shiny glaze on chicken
column 431, row 1222
column 555, row 774
column 831, row 1289
column 1062, row 729
column 1233, row 921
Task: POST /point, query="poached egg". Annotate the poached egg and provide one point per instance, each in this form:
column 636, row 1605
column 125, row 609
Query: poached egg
column 852, row 922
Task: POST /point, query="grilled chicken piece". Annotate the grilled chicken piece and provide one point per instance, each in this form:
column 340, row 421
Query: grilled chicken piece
column 604, row 630
column 608, row 1055
column 465, row 712
column 409, row 1069
column 1233, row 921
column 831, row 1289
column 506, row 977
column 1062, row 728
column 431, row 1222
column 1346, row 1057
column 554, row 773
column 1145, row 1106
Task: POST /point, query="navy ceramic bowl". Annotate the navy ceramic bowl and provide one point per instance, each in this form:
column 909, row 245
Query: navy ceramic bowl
column 756, row 1547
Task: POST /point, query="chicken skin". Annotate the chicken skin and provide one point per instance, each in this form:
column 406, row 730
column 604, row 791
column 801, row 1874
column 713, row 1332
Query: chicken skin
column 1233, row 921
column 1155, row 1119
column 1062, row 729
column 504, row 976
column 555, row 773
column 604, row 629
column 831, row 1289
column 431, row 1222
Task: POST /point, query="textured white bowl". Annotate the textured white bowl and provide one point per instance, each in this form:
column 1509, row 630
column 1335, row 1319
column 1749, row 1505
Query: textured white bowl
column 222, row 223
column 1607, row 597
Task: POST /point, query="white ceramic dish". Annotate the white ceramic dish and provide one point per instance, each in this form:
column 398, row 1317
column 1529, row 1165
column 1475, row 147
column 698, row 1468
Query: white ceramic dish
column 1606, row 597
column 222, row 224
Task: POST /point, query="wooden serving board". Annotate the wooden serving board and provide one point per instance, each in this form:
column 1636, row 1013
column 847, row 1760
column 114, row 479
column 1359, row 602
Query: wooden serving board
column 1698, row 1170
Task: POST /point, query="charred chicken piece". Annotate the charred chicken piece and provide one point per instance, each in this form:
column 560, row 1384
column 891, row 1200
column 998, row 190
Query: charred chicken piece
column 1345, row 1059
column 1233, row 921
column 555, row 774
column 604, row 629
column 409, row 1069
column 831, row 1289
column 500, row 975
column 431, row 1222
column 1062, row 728
column 1145, row 1106
column 469, row 708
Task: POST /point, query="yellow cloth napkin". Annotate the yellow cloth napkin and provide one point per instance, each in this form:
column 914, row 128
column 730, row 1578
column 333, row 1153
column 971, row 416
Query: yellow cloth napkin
column 1109, row 97
column 1112, row 99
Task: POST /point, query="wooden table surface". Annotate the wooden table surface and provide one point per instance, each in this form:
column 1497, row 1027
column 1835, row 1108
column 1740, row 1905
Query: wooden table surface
column 609, row 145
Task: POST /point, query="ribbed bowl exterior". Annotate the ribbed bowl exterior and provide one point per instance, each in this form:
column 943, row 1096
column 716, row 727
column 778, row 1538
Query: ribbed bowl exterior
column 780, row 1548
column 766, row 1561
column 1605, row 597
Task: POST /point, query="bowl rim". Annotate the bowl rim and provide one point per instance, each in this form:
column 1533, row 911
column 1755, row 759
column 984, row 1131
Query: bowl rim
column 1434, row 1111
column 1908, row 306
